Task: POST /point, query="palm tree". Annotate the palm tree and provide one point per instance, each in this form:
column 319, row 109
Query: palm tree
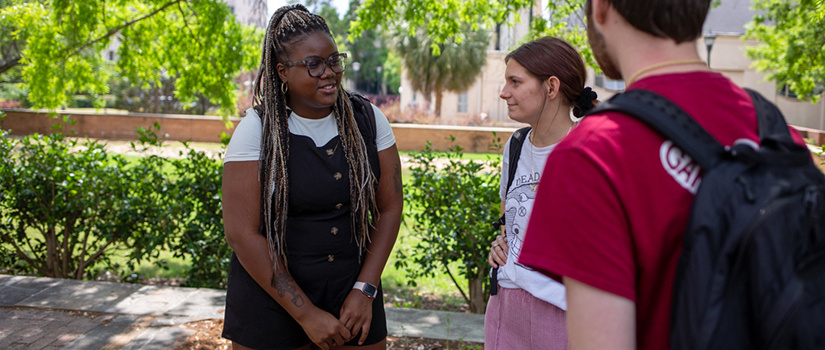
column 435, row 68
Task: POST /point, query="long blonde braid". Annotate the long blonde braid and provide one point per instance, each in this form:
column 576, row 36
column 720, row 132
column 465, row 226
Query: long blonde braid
column 287, row 25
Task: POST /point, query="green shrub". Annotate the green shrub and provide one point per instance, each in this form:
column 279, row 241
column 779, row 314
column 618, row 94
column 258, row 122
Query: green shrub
column 201, row 240
column 452, row 202
column 195, row 211
column 66, row 206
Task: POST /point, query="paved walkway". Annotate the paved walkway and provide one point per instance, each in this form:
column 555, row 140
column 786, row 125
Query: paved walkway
column 48, row 313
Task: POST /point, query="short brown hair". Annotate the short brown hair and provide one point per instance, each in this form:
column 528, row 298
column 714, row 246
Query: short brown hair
column 680, row 20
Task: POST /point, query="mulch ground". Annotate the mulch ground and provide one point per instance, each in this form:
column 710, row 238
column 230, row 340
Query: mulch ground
column 208, row 337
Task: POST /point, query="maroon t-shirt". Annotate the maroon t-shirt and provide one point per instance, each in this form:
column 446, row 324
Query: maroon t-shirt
column 615, row 198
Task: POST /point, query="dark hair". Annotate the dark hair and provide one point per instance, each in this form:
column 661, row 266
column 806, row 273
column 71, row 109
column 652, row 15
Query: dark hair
column 549, row 56
column 680, row 20
column 288, row 25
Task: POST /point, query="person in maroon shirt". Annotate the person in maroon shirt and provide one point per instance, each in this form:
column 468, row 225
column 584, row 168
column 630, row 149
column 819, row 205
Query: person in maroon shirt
column 615, row 197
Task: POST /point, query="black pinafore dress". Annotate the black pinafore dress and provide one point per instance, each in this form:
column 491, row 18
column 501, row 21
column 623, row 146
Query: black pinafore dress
column 322, row 255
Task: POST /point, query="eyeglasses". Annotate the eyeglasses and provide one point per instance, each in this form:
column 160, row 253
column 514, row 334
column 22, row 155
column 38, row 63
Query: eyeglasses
column 316, row 66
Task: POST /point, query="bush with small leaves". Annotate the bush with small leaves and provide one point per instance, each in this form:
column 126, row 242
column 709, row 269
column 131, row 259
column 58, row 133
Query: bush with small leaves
column 66, row 205
column 452, row 203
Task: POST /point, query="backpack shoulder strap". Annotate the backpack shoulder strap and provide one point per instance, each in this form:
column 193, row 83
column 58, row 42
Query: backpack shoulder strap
column 515, row 152
column 668, row 119
column 365, row 119
column 770, row 120
column 361, row 103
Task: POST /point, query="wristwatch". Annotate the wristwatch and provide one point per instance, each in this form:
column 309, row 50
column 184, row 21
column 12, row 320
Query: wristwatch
column 366, row 288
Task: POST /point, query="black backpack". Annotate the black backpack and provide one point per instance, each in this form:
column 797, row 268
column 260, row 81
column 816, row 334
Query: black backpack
column 515, row 152
column 752, row 271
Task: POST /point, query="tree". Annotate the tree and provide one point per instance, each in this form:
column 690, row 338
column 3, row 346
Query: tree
column 59, row 45
column 793, row 44
column 449, row 66
column 441, row 20
column 566, row 20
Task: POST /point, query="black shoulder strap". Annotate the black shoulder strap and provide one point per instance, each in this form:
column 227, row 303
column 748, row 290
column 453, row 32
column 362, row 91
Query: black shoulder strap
column 365, row 118
column 771, row 122
column 674, row 123
column 515, row 152
column 670, row 120
column 359, row 102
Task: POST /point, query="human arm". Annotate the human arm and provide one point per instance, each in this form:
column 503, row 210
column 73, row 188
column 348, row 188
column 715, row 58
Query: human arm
column 499, row 248
column 356, row 313
column 241, row 216
column 597, row 319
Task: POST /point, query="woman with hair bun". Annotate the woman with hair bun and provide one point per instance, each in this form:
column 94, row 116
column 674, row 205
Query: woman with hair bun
column 312, row 200
column 544, row 88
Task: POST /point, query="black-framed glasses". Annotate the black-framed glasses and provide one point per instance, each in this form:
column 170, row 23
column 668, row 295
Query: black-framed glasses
column 317, row 65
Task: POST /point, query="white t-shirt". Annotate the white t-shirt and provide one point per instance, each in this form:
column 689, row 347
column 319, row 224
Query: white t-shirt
column 246, row 140
column 518, row 204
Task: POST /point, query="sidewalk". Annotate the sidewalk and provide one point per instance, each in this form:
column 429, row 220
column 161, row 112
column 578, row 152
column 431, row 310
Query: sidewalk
column 48, row 313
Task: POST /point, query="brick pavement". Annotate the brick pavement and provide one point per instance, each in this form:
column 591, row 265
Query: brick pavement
column 31, row 328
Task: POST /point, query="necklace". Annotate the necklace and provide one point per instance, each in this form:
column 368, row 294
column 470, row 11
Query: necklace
column 535, row 185
column 660, row 65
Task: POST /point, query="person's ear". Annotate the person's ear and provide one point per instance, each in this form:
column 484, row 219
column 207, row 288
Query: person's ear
column 281, row 69
column 552, row 86
column 599, row 10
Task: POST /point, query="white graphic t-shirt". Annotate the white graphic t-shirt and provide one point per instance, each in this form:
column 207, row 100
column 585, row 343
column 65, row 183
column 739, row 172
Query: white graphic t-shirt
column 518, row 204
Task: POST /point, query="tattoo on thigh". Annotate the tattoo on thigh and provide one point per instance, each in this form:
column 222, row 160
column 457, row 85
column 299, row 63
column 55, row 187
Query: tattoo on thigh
column 284, row 284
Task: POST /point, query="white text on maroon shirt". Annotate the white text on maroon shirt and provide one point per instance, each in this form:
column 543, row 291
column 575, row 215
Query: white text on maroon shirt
column 681, row 166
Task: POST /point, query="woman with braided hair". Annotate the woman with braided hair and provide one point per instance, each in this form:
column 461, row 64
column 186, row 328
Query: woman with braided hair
column 312, row 200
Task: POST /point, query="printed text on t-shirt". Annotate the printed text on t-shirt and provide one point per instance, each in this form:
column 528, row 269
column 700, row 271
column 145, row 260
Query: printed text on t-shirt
column 681, row 166
column 526, row 179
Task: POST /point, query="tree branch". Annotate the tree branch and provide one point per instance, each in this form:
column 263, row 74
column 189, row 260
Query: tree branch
column 117, row 29
column 21, row 254
column 464, row 295
column 85, row 263
column 9, row 64
column 186, row 25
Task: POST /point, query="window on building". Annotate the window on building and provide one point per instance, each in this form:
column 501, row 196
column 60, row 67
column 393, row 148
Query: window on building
column 609, row 84
column 785, row 90
column 111, row 55
column 462, row 102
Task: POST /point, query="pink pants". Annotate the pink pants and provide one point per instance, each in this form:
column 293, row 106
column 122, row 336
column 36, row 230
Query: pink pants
column 516, row 320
